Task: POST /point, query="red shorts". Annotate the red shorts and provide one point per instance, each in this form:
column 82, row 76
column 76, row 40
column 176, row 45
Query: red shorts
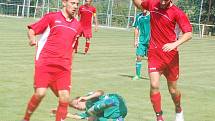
column 166, row 63
column 54, row 76
column 87, row 33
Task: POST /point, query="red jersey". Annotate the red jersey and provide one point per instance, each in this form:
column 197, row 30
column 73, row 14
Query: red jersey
column 86, row 12
column 163, row 23
column 56, row 43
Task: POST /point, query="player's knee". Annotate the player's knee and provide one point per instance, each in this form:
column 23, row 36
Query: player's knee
column 40, row 95
column 64, row 97
column 139, row 59
column 154, row 85
column 172, row 91
column 154, row 89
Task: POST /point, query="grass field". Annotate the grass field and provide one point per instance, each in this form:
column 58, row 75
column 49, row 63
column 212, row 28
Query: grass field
column 109, row 66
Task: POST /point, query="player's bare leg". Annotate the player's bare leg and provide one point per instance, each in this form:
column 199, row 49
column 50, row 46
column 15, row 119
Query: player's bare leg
column 176, row 97
column 34, row 102
column 155, row 94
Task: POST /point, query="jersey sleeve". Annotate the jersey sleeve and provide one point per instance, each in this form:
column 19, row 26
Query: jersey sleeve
column 101, row 106
column 183, row 22
column 135, row 24
column 41, row 25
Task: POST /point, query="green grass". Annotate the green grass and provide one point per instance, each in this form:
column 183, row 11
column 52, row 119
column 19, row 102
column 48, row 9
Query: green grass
column 109, row 66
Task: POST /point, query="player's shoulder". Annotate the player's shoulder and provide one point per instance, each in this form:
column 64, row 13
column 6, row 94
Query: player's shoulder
column 138, row 15
column 176, row 9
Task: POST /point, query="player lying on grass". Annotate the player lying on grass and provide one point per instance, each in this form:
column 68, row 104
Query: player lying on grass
column 98, row 106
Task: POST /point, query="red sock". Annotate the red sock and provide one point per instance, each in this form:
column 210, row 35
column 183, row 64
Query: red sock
column 61, row 111
column 32, row 105
column 156, row 102
column 87, row 46
column 76, row 46
column 177, row 101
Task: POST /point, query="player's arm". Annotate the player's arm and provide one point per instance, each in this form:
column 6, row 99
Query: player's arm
column 96, row 21
column 136, row 36
column 37, row 28
column 97, row 108
column 93, row 95
column 171, row 46
column 184, row 24
column 136, row 31
column 31, row 37
column 137, row 3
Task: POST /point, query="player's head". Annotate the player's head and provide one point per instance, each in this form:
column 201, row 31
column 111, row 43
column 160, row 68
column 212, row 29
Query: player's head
column 79, row 105
column 88, row 2
column 165, row 4
column 70, row 7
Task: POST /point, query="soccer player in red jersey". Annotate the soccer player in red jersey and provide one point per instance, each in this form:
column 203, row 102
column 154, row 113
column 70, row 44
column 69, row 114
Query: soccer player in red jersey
column 53, row 57
column 163, row 55
column 86, row 12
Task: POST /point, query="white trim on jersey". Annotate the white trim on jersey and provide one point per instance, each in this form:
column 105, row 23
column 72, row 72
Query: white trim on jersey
column 65, row 27
column 42, row 41
column 161, row 14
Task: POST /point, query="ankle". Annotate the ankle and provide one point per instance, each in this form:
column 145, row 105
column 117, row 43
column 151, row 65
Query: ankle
column 178, row 109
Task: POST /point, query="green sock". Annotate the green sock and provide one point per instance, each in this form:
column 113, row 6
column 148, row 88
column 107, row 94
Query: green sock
column 138, row 68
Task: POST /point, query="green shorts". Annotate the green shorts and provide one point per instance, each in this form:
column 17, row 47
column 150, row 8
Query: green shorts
column 142, row 50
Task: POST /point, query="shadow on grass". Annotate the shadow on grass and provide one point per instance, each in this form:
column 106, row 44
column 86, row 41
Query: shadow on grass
column 81, row 53
column 129, row 76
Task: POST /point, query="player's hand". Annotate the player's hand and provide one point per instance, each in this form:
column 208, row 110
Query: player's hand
column 32, row 43
column 96, row 29
column 74, row 116
column 84, row 98
column 169, row 47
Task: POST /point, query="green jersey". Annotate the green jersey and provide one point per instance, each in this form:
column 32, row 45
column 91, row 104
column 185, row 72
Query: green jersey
column 108, row 106
column 142, row 23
